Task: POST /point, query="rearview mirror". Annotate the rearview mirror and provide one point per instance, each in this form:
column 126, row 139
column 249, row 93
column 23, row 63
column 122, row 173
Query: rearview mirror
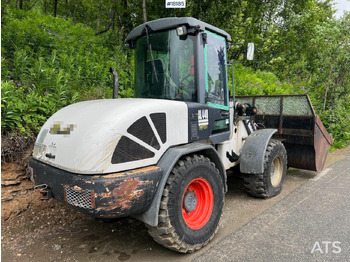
column 250, row 51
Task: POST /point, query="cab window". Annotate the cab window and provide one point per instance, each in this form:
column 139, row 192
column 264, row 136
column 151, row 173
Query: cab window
column 215, row 65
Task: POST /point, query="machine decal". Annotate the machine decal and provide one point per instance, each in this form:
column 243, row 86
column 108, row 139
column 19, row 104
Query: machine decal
column 203, row 119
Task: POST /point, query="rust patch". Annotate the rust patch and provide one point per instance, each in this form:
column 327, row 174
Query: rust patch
column 123, row 195
column 130, row 173
column 77, row 188
column 93, row 203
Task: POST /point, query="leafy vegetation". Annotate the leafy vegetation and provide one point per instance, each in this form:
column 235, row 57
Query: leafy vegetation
column 48, row 63
column 55, row 53
column 250, row 82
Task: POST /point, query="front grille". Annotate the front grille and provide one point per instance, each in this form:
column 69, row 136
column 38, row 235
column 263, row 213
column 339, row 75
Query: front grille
column 79, row 197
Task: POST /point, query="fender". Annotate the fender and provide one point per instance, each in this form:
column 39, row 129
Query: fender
column 167, row 162
column 253, row 152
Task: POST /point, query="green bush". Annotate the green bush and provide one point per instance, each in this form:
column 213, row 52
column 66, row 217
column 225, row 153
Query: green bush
column 337, row 121
column 250, row 82
column 49, row 62
column 25, row 110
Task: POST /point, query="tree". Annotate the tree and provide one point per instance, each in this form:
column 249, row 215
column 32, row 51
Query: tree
column 55, row 8
column 144, row 11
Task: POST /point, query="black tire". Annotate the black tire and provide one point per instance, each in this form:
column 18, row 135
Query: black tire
column 173, row 231
column 270, row 182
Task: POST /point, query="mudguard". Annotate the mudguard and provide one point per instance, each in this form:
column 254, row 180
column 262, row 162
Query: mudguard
column 167, row 162
column 253, row 152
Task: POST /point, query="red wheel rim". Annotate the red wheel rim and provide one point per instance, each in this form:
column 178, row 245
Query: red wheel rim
column 197, row 217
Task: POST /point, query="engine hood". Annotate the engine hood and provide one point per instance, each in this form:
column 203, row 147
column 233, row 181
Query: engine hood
column 112, row 135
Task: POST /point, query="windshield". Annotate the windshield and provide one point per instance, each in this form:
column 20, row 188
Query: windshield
column 171, row 74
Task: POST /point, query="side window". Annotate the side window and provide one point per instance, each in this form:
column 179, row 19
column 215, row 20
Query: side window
column 215, row 64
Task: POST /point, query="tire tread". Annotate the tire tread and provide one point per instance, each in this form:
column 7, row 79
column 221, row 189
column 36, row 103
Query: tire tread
column 256, row 184
column 165, row 234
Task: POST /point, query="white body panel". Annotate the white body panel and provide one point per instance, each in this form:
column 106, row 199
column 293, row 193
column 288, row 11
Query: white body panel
column 96, row 128
column 238, row 136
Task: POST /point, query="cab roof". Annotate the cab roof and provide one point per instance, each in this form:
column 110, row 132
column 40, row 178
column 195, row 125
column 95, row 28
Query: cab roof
column 172, row 23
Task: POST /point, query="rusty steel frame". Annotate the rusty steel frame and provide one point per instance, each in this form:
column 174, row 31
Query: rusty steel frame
column 307, row 147
column 112, row 195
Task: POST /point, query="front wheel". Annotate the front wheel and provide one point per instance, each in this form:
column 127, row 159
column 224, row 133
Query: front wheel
column 269, row 183
column 191, row 205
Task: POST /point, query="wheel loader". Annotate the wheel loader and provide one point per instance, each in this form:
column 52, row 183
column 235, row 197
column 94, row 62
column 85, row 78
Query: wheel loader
column 162, row 156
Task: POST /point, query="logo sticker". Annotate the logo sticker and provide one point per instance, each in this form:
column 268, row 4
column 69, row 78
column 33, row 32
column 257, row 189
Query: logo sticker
column 203, row 119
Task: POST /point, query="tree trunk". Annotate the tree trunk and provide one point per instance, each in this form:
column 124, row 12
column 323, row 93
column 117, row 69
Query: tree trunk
column 144, row 11
column 30, row 8
column 326, row 93
column 111, row 22
column 112, row 19
column 20, row 4
column 45, row 7
column 55, row 8
column 67, row 9
column 98, row 18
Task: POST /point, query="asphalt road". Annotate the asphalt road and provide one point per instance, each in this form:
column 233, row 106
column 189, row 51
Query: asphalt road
column 311, row 224
column 312, row 207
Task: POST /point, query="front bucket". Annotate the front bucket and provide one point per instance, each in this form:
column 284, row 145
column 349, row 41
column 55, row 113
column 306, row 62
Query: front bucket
column 304, row 136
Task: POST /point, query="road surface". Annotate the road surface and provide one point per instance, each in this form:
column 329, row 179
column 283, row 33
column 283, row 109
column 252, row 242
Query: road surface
column 311, row 224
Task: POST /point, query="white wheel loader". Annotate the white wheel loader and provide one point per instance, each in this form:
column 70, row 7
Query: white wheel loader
column 162, row 156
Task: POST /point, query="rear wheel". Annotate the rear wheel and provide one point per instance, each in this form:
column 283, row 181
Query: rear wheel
column 191, row 205
column 269, row 183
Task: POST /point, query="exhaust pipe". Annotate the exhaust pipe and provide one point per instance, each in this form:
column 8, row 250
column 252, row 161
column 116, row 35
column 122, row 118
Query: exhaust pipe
column 116, row 82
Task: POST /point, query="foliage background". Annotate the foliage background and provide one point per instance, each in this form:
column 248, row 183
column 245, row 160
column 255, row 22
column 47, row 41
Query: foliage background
column 55, row 52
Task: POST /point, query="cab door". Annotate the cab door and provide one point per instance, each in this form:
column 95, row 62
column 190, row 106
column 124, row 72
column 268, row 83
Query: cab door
column 216, row 82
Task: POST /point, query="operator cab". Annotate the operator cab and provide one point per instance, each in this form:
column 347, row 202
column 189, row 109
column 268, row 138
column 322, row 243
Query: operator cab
column 170, row 75
column 185, row 59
